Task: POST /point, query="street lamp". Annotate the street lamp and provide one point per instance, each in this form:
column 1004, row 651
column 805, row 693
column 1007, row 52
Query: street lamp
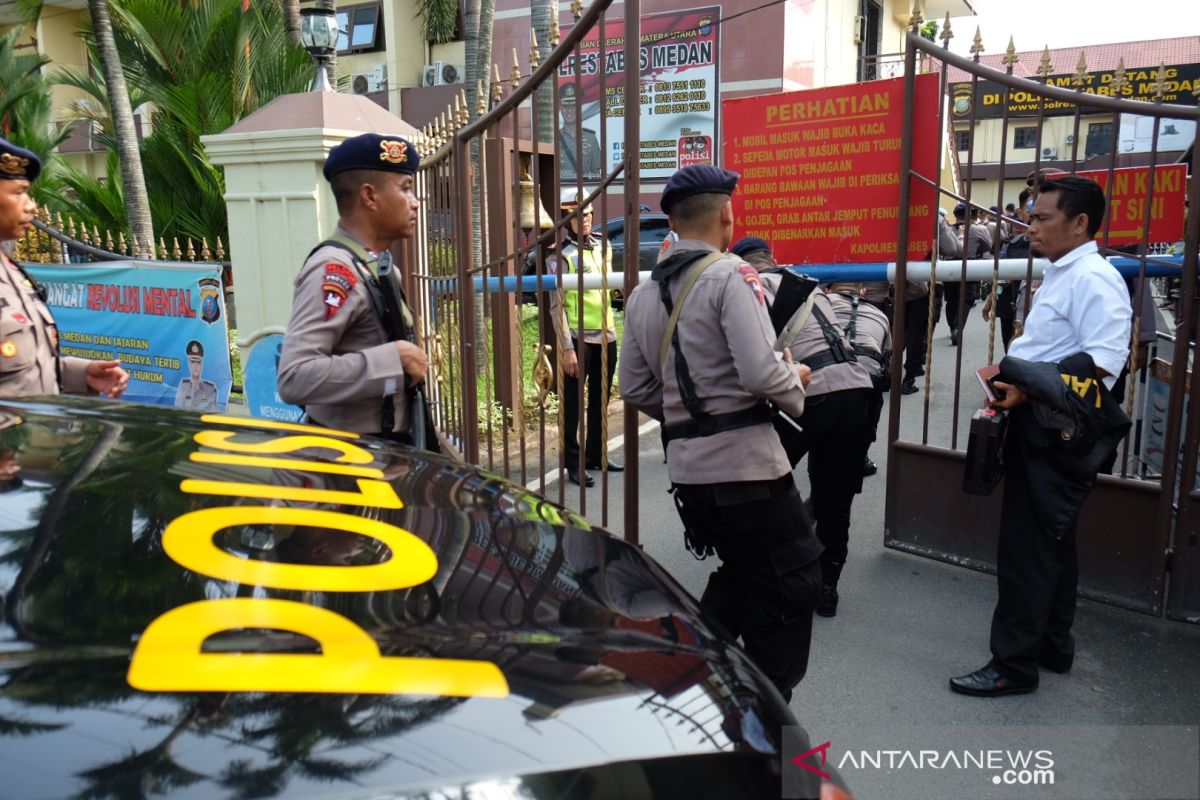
column 319, row 35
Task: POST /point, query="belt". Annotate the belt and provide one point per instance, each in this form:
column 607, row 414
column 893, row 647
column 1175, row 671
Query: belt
column 822, row 360
column 717, row 423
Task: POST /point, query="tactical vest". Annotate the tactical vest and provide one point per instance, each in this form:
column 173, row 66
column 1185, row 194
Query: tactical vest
column 597, row 311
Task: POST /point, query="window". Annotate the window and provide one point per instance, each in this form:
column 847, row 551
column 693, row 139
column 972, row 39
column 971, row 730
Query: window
column 1099, row 139
column 1024, row 138
column 358, row 29
column 963, row 140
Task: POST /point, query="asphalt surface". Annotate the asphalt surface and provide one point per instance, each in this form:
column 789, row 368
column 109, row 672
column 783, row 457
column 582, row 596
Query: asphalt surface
column 906, row 624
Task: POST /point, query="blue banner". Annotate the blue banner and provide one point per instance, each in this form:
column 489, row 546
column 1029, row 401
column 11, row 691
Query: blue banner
column 166, row 325
column 260, row 368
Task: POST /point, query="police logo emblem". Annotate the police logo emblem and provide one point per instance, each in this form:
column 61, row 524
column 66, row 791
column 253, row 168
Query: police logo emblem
column 8, row 349
column 393, row 152
column 210, row 300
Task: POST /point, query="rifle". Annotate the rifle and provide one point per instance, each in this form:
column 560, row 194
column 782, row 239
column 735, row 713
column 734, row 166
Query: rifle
column 794, row 289
column 421, row 429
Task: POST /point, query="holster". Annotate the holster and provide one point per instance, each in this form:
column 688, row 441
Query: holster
column 696, row 542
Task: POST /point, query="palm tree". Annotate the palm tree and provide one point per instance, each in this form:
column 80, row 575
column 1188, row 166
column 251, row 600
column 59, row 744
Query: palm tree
column 291, row 18
column 539, row 18
column 26, row 111
column 133, row 181
column 20, row 76
column 202, row 65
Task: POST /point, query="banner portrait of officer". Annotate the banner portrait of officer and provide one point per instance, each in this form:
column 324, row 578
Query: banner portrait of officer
column 571, row 160
column 194, row 392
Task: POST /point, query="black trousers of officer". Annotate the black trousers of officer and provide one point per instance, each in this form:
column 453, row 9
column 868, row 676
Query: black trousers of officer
column 1037, row 576
column 835, row 437
column 591, row 369
column 952, row 305
column 769, row 579
column 916, row 330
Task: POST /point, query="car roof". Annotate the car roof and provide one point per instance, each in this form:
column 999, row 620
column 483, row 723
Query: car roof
column 218, row 605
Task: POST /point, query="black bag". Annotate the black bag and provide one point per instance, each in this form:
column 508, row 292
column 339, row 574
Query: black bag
column 985, row 452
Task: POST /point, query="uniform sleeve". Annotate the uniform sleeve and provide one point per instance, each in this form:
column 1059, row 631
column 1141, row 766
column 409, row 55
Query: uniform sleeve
column 761, row 369
column 640, row 385
column 558, row 313
column 948, row 243
column 74, row 375
column 310, row 369
column 1101, row 314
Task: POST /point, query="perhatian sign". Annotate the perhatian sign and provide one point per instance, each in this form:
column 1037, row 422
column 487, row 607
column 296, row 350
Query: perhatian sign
column 820, row 170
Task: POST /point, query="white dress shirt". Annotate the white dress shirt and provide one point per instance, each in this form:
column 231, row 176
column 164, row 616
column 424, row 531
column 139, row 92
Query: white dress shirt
column 1083, row 306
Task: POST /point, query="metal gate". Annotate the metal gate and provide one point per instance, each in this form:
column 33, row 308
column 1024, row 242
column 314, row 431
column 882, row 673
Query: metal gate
column 1138, row 530
column 490, row 191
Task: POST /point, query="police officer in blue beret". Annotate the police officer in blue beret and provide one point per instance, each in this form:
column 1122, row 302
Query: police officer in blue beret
column 708, row 379
column 754, row 251
column 347, row 355
column 30, row 362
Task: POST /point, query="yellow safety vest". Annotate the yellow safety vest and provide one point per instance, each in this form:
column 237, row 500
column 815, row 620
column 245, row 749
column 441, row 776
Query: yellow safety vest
column 597, row 308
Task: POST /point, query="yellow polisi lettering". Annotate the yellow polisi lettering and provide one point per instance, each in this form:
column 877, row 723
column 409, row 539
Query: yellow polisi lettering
column 375, row 494
column 188, row 541
column 273, row 425
column 299, row 465
column 168, row 656
column 222, row 440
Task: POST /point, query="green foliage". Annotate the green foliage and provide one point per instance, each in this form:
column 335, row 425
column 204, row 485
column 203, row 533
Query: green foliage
column 438, row 19
column 202, row 65
column 930, row 30
column 26, row 110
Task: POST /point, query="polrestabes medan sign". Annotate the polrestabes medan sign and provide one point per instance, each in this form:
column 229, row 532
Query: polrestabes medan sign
column 989, row 99
column 820, row 170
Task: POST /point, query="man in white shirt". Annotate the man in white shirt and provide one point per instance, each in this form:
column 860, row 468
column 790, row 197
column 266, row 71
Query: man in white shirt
column 1082, row 306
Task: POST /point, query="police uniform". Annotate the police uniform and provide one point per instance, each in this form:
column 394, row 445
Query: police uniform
column 572, row 160
column 870, row 336
column 30, row 362
column 730, row 474
column 338, row 360
column 200, row 395
column 598, row 336
column 834, row 431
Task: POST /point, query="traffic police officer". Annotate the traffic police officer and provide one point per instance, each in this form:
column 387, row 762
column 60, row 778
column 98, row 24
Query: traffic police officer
column 870, row 336
column 339, row 359
column 30, row 362
column 708, row 378
column 573, row 162
column 834, row 430
column 583, row 321
column 194, row 392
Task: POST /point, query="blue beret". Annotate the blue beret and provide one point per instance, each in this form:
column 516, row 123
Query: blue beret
column 961, row 208
column 697, row 179
column 373, row 151
column 749, row 244
column 17, row 163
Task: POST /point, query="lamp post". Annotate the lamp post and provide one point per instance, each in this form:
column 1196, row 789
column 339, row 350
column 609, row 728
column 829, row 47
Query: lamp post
column 319, row 35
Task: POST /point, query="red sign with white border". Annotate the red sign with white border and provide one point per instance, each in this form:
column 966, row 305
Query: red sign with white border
column 1127, row 207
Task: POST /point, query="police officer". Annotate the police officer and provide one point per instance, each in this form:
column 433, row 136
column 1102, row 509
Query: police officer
column 573, row 162
column 194, row 392
column 587, row 338
column 708, row 379
column 870, row 336
column 341, row 358
column 834, row 431
column 30, row 362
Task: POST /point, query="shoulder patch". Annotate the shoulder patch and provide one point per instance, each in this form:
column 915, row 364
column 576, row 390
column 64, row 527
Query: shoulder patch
column 551, row 266
column 750, row 276
column 336, row 285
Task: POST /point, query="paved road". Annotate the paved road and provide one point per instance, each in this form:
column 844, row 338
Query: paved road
column 906, row 624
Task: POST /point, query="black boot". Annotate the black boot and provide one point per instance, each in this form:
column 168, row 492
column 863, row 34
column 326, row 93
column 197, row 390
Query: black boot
column 827, row 605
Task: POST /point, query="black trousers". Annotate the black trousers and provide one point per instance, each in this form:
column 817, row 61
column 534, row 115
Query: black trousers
column 916, row 339
column 592, row 371
column 1037, row 577
column 835, row 437
column 769, row 581
column 953, row 309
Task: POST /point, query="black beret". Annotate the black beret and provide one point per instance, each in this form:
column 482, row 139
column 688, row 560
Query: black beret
column 17, row 163
column 961, row 208
column 697, row 179
column 373, row 151
column 195, row 349
column 749, row 244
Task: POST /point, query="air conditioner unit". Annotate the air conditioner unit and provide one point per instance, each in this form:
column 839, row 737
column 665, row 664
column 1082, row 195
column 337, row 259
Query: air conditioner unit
column 367, row 82
column 440, row 73
column 1070, row 138
column 1049, row 152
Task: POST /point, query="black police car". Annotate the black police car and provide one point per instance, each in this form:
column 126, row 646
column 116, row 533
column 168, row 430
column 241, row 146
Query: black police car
column 225, row 607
